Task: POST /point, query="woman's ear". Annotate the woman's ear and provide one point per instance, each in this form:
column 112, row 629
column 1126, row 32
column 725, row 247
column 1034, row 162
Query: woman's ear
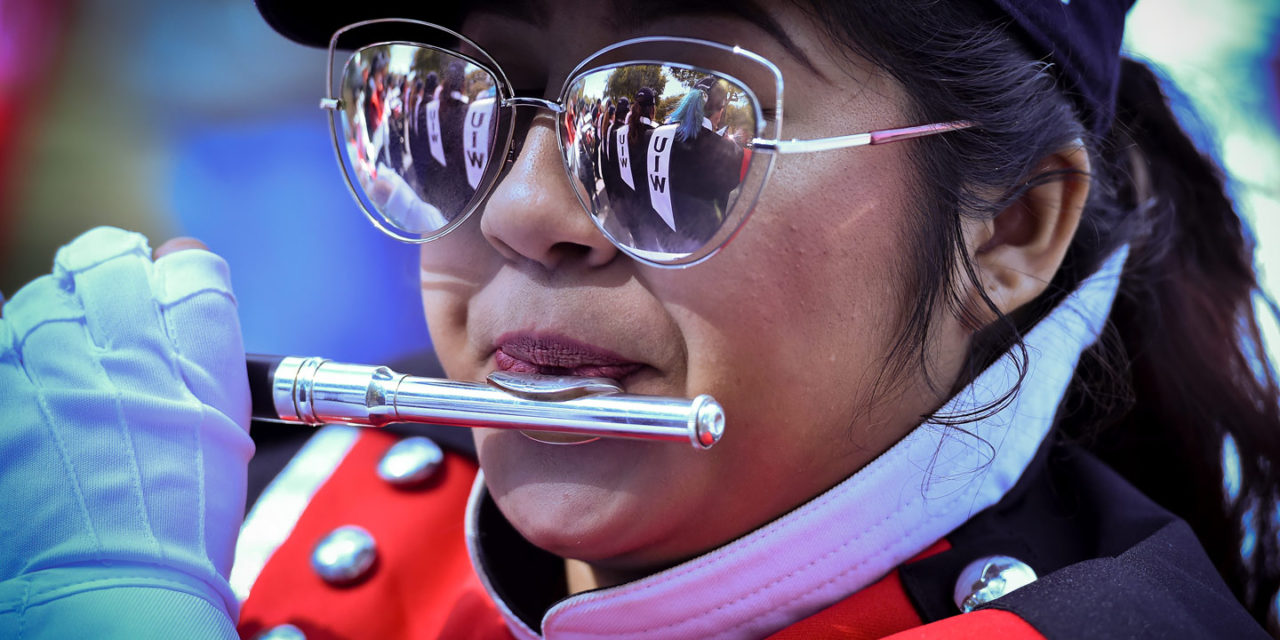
column 1017, row 253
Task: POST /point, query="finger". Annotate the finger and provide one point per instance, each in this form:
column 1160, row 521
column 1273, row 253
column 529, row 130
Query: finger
column 175, row 245
column 111, row 272
column 200, row 316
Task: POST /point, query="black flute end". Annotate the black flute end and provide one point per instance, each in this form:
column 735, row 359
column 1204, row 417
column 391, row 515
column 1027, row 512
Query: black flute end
column 262, row 375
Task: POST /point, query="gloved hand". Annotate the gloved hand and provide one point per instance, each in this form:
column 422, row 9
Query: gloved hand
column 124, row 413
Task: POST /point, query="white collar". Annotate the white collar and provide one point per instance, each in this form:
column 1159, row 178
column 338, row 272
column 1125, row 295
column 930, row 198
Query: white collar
column 706, row 124
column 918, row 491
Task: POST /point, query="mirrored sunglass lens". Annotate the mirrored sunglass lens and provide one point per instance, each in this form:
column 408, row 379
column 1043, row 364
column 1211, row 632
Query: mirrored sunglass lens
column 419, row 128
column 657, row 151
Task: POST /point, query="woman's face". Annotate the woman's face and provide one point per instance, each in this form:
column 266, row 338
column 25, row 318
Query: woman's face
column 788, row 327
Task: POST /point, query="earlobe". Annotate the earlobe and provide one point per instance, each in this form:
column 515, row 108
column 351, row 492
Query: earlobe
column 1018, row 252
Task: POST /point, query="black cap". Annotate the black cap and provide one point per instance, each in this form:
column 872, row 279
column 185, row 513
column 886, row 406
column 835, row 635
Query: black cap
column 1081, row 38
column 644, row 97
column 623, row 104
column 314, row 24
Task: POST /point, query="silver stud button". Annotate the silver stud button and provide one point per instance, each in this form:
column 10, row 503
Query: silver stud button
column 986, row 579
column 410, row 462
column 344, row 556
column 282, row 632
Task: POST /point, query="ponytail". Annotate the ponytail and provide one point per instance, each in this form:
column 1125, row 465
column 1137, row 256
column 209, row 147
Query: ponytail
column 688, row 115
column 633, row 121
column 1202, row 394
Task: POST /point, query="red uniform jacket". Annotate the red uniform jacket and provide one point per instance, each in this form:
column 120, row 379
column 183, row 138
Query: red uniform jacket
column 1112, row 564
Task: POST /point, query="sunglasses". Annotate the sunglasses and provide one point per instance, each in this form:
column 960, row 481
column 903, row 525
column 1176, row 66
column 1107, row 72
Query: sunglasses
column 667, row 142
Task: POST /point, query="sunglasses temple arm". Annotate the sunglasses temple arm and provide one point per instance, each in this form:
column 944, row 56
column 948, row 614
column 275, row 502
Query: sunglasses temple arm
column 882, row 136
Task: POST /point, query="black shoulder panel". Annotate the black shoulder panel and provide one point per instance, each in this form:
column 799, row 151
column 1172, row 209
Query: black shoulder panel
column 1111, row 562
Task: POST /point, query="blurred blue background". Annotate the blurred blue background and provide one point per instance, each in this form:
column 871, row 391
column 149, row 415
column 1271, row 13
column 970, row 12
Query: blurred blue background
column 194, row 118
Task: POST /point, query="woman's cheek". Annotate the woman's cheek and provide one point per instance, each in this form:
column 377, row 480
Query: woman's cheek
column 449, row 281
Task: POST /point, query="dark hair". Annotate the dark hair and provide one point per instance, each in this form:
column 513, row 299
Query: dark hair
column 642, row 107
column 633, row 118
column 1182, row 344
column 455, row 78
column 717, row 93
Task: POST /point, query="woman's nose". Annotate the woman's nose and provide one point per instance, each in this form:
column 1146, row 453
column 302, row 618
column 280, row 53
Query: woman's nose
column 533, row 213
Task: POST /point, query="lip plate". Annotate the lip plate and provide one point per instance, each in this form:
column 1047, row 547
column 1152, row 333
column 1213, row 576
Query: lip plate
column 556, row 354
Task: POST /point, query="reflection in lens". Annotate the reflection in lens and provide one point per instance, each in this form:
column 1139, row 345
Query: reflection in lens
column 658, row 152
column 419, row 126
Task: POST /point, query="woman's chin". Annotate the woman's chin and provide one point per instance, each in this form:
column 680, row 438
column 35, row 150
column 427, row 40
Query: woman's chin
column 571, row 520
column 591, row 502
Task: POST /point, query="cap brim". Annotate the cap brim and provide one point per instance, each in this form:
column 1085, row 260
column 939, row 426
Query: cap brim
column 306, row 23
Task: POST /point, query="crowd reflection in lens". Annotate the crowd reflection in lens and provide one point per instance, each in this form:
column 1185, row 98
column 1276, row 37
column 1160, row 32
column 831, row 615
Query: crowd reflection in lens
column 659, row 170
column 418, row 126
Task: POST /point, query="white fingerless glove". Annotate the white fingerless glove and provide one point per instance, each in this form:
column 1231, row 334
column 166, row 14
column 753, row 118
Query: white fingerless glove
column 124, row 445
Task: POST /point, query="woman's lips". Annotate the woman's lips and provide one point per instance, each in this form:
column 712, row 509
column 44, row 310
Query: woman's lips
column 558, row 355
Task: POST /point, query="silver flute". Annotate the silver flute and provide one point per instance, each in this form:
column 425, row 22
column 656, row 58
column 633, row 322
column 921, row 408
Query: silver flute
column 315, row 391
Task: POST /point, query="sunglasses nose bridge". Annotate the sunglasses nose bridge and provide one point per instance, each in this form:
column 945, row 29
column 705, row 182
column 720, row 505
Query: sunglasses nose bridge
column 524, row 101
